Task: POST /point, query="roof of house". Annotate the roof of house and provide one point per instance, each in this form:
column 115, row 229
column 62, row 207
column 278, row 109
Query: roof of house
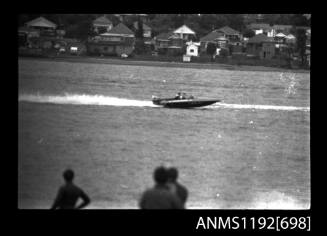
column 145, row 27
column 263, row 26
column 120, row 29
column 211, row 36
column 280, row 35
column 290, row 36
column 228, row 30
column 184, row 30
column 41, row 22
column 260, row 38
column 102, row 20
column 308, row 16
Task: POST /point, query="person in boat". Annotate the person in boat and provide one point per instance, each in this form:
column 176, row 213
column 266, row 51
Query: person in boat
column 181, row 95
column 160, row 196
column 69, row 194
column 178, row 95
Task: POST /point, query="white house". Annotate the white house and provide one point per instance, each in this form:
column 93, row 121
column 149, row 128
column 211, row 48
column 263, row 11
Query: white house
column 192, row 49
column 218, row 51
column 184, row 32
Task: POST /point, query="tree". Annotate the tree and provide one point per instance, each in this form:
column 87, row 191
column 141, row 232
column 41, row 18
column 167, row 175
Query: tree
column 248, row 33
column 139, row 31
column 208, row 22
column 300, row 20
column 139, row 44
column 76, row 25
column 211, row 50
column 235, row 21
column 301, row 39
column 82, row 30
column 223, row 52
column 161, row 23
column 289, row 54
column 272, row 19
column 178, row 20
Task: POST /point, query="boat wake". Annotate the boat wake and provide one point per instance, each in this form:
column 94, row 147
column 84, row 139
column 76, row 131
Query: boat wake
column 260, row 107
column 84, row 99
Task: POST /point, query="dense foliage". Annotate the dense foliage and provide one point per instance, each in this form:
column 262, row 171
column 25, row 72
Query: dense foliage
column 301, row 43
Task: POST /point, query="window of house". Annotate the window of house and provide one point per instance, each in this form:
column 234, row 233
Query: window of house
column 191, row 50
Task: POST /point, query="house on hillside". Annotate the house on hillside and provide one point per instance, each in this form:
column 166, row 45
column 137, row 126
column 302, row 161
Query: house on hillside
column 234, row 37
column 39, row 33
column 43, row 25
column 261, row 28
column 117, row 41
column 184, row 32
column 176, row 45
column 162, row 42
column 212, row 37
column 280, row 38
column 25, row 34
column 224, row 37
column 285, row 29
column 29, row 32
column 281, row 44
column 102, row 24
column 290, row 39
column 261, row 46
column 174, row 42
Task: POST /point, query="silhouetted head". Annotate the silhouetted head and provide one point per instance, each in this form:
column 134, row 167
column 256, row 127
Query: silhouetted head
column 172, row 174
column 68, row 175
column 160, row 175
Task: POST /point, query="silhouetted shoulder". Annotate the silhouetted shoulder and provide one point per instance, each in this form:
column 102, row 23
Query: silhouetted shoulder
column 181, row 192
column 159, row 198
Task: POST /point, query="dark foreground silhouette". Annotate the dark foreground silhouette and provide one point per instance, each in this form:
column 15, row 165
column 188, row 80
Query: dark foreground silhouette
column 160, row 196
column 69, row 194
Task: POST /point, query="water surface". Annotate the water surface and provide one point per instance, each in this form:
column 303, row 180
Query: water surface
column 251, row 151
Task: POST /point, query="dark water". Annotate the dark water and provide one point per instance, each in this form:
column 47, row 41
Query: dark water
column 228, row 157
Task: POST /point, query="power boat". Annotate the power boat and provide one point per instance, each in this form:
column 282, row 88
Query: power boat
column 182, row 101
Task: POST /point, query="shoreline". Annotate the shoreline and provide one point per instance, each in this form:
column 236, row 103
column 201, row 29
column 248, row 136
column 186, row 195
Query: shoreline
column 191, row 65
